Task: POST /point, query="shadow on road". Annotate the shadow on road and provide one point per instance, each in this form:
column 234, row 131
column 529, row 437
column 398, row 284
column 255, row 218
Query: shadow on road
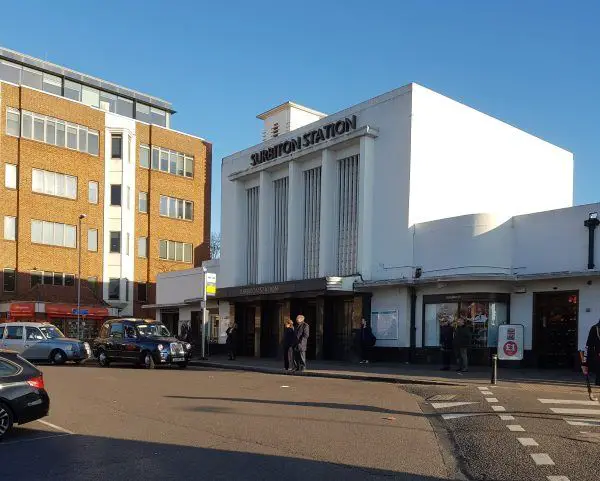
column 82, row 458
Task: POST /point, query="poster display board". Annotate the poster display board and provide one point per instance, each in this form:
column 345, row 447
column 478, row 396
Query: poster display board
column 510, row 342
column 384, row 324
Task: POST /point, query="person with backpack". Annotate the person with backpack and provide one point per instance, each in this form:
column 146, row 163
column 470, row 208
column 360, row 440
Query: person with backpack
column 591, row 355
column 367, row 341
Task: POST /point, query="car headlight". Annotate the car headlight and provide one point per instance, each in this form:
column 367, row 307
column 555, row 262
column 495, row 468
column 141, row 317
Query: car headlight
column 188, row 346
column 160, row 347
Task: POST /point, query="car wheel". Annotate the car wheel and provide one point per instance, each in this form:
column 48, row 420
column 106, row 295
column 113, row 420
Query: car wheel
column 182, row 365
column 6, row 420
column 58, row 357
column 148, row 361
column 103, row 359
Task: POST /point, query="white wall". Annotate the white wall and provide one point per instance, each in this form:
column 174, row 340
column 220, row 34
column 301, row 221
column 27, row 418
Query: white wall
column 464, row 161
column 470, row 244
column 394, row 298
column 175, row 287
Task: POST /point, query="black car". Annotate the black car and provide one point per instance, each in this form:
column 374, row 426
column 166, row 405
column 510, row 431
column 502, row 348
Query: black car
column 22, row 395
column 138, row 341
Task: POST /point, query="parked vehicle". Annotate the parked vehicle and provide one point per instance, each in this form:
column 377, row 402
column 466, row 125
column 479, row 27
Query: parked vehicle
column 41, row 341
column 22, row 395
column 138, row 341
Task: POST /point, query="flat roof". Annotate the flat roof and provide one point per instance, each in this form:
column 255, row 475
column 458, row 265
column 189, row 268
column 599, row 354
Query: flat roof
column 51, row 68
column 289, row 104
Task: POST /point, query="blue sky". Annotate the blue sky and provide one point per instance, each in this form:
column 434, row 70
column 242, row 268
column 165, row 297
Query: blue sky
column 534, row 64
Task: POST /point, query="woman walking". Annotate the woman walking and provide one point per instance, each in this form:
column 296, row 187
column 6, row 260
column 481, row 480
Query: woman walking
column 289, row 341
column 231, row 340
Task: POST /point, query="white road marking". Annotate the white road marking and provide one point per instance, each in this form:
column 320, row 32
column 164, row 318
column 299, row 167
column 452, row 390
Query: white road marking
column 37, row 438
column 558, row 478
column 528, row 441
column 491, row 399
column 451, row 404
column 283, row 386
column 487, row 393
column 569, row 401
column 499, row 409
column 590, row 412
column 483, row 388
column 583, row 422
column 507, row 417
column 542, row 459
column 460, row 415
column 54, row 426
column 515, row 428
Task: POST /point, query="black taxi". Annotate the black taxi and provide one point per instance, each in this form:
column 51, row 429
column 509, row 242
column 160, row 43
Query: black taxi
column 138, row 341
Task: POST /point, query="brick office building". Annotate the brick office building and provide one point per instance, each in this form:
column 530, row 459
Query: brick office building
column 72, row 145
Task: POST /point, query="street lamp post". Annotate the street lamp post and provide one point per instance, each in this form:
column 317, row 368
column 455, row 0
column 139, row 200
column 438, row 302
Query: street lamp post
column 81, row 217
column 204, row 316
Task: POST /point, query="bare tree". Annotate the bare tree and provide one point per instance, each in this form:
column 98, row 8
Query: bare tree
column 215, row 245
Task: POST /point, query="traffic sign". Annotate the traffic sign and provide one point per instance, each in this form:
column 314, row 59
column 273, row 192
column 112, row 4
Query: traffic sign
column 210, row 282
column 510, row 342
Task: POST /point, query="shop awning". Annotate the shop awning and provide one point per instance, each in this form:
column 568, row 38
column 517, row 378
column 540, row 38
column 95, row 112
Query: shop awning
column 69, row 310
column 21, row 310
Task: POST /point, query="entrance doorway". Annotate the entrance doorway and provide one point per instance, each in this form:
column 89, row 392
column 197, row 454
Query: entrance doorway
column 244, row 317
column 555, row 316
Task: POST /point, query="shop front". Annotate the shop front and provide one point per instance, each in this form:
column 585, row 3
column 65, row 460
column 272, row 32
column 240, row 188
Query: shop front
column 261, row 310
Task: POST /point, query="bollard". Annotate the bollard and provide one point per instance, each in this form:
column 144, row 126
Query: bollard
column 494, row 368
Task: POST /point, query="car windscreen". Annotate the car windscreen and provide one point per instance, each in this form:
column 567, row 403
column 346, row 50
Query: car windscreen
column 153, row 330
column 51, row 332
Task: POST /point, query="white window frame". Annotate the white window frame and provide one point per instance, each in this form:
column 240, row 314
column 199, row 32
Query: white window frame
column 177, row 156
column 10, row 228
column 50, row 228
column 173, row 247
column 145, row 195
column 97, row 187
column 17, row 113
column 11, row 176
column 143, row 247
column 149, row 151
column 173, row 205
column 93, row 234
column 57, row 179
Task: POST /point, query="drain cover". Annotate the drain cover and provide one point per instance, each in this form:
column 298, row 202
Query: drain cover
column 442, row 397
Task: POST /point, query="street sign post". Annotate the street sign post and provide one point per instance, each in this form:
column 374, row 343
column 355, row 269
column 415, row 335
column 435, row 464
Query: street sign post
column 510, row 342
column 210, row 289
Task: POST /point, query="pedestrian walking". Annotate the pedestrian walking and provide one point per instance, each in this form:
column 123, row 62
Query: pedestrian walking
column 461, row 343
column 591, row 355
column 231, row 340
column 446, row 342
column 302, row 332
column 367, row 341
column 289, row 342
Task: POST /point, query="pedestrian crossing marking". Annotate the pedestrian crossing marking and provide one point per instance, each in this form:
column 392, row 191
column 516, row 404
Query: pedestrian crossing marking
column 542, row 459
column 589, row 412
column 528, row 442
column 487, row 393
column 569, row 401
column 491, row 399
column 515, row 428
column 451, row 404
column 558, row 478
column 583, row 422
column 507, row 417
column 499, row 409
column 460, row 415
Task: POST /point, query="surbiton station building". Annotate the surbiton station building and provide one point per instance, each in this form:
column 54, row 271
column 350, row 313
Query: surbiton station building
column 406, row 209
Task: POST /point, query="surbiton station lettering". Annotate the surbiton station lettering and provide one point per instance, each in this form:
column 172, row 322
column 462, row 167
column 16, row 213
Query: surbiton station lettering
column 313, row 137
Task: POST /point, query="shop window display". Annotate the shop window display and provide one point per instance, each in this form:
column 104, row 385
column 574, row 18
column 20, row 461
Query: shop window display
column 481, row 316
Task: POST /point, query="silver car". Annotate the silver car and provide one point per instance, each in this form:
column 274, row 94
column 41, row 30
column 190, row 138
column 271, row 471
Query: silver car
column 41, row 341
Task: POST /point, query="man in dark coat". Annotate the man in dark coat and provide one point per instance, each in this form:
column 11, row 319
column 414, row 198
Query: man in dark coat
column 231, row 340
column 367, row 341
column 462, row 342
column 302, row 332
column 289, row 342
column 591, row 356
column 446, row 342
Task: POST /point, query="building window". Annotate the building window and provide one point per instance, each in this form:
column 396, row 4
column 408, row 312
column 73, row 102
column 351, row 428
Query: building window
column 252, row 196
column 115, row 195
column 92, row 283
column 10, row 228
column 9, row 280
column 93, row 192
column 52, row 183
column 53, row 234
column 72, row 90
column 142, row 112
column 143, row 202
column 10, row 72
column 127, row 244
column 93, row 240
column 114, row 289
column 58, row 279
column 48, row 278
column 116, row 146
column 312, row 222
column 59, row 133
column 128, row 198
column 176, row 208
column 172, row 162
column 125, row 107
column 69, row 280
column 280, row 237
column 142, row 292
column 13, row 122
column 143, row 247
column 10, row 176
column 52, row 84
column 144, row 156
column 175, row 251
column 36, row 278
column 347, row 241
column 481, row 317
column 115, row 242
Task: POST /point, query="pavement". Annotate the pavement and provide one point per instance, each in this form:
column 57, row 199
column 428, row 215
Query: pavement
column 211, row 424
column 409, row 373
